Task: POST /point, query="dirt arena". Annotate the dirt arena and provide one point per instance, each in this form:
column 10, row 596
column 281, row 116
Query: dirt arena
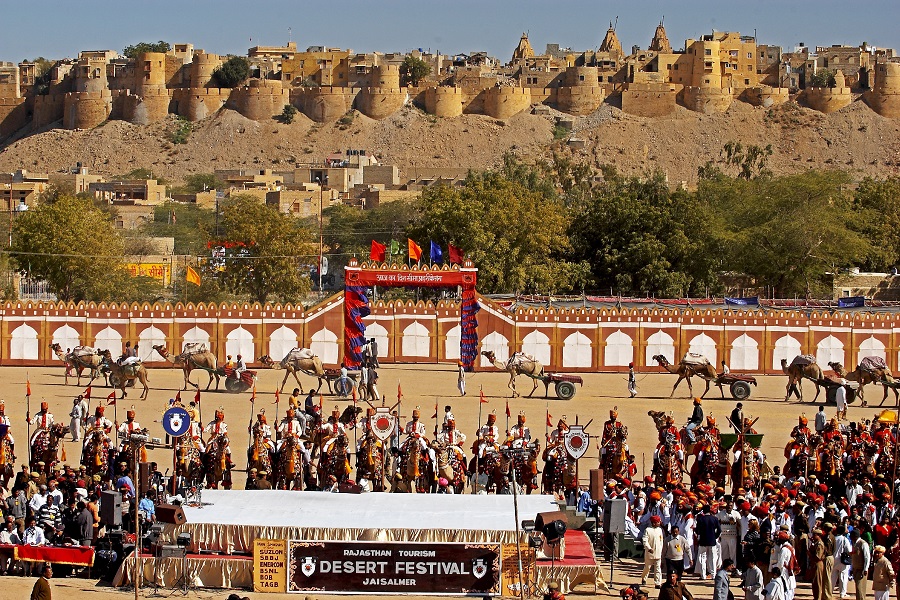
column 422, row 386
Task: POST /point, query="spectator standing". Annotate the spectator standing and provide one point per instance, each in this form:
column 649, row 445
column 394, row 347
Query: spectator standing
column 17, row 508
column 861, row 561
column 753, row 581
column 722, row 582
column 882, row 575
column 775, row 587
column 653, row 551
column 632, row 383
column 675, row 549
column 821, row 420
column 85, row 525
column 75, row 422
column 708, row 531
column 41, row 589
column 842, row 560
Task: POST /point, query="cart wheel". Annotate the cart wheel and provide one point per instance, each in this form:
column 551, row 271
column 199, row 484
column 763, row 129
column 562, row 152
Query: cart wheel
column 343, row 386
column 233, row 385
column 565, row 390
column 113, row 381
column 740, row 390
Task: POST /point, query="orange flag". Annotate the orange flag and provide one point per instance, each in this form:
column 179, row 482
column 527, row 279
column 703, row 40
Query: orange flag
column 415, row 252
column 434, row 416
column 111, row 399
column 277, row 396
column 549, row 422
column 28, row 388
column 399, row 392
column 253, row 395
column 483, row 399
column 87, row 393
column 507, row 408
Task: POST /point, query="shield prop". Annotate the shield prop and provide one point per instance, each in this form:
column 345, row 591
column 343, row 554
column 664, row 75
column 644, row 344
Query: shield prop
column 382, row 423
column 576, row 441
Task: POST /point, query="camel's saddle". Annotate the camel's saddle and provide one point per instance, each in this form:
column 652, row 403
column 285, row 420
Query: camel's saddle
column 802, row 360
column 192, row 348
column 694, row 359
column 872, row 364
column 83, row 351
column 299, row 354
column 520, row 358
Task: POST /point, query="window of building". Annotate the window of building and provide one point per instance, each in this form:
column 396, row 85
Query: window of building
column 746, row 82
column 581, row 78
column 675, row 66
column 749, row 55
column 707, row 52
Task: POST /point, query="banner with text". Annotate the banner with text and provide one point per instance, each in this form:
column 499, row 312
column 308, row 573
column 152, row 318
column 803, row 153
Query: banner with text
column 269, row 565
column 413, row 278
column 160, row 271
column 395, row 568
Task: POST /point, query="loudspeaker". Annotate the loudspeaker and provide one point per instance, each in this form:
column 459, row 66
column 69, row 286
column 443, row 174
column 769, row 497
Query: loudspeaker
column 545, row 518
column 169, row 513
column 111, row 508
column 596, row 483
column 144, row 476
column 614, row 515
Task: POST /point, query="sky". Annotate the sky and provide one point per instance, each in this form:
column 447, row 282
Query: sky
column 58, row 29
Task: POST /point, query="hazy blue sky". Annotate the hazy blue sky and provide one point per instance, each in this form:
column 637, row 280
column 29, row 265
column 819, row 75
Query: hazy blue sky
column 57, row 29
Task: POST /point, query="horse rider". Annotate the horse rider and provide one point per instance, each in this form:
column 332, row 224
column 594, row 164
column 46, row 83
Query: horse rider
column 613, row 434
column 218, row 427
column 43, row 419
column 289, row 427
column 454, row 439
column 4, row 420
column 261, row 427
column 416, row 429
column 332, row 430
column 555, row 441
column 487, row 436
column 519, row 431
column 695, row 421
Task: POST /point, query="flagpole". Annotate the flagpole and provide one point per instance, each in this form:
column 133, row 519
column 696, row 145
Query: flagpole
column 250, row 424
column 28, row 414
column 507, row 417
column 478, row 449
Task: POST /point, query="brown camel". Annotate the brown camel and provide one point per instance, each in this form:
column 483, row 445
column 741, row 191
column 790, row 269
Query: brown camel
column 863, row 377
column 796, row 374
column 518, row 364
column 194, row 356
column 686, row 370
column 298, row 360
column 125, row 373
column 86, row 359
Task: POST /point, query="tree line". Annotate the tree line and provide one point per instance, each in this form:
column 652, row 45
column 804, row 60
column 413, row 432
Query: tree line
column 555, row 227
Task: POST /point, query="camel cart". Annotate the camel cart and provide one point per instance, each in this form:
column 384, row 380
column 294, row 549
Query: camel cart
column 238, row 383
column 738, row 385
column 563, row 385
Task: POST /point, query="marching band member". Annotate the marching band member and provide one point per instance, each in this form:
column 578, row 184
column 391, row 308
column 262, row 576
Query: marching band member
column 261, row 427
column 43, row 419
column 487, row 436
column 519, row 431
column 218, row 427
column 289, row 427
column 416, row 429
column 454, row 439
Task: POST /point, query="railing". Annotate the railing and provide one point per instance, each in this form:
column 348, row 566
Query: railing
column 35, row 289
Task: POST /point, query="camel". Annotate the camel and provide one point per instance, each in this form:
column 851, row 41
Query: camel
column 298, row 360
column 686, row 370
column 863, row 377
column 519, row 364
column 796, row 373
column 125, row 373
column 190, row 359
column 87, row 359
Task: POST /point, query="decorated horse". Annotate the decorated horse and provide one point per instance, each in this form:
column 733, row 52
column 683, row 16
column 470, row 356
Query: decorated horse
column 333, row 462
column 668, row 464
column 830, row 465
column 215, row 462
column 415, row 468
column 449, row 466
column 523, row 460
column 289, row 464
column 559, row 475
column 370, row 462
column 614, row 461
column 259, row 454
column 95, row 453
column 188, row 461
column 45, row 447
column 746, row 469
column 492, row 472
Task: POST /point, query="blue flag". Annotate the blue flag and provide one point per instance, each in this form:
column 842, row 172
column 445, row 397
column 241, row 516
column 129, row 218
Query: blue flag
column 436, row 255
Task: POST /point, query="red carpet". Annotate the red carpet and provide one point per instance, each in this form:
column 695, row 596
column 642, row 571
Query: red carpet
column 579, row 550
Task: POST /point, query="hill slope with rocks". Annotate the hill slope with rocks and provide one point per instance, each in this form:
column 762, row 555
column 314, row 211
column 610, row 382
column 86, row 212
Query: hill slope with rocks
column 854, row 139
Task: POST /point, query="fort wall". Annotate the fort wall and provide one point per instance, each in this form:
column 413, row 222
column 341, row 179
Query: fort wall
column 884, row 98
column 707, row 99
column 444, row 101
column 766, row 96
column 649, row 99
column 323, row 104
column 86, row 110
column 261, row 100
column 504, row 102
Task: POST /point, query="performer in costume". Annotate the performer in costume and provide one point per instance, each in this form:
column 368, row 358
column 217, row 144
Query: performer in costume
column 454, row 439
column 43, row 420
column 331, row 430
column 416, row 429
column 487, row 436
column 519, row 431
column 5, row 421
column 262, row 428
column 218, row 427
column 289, row 427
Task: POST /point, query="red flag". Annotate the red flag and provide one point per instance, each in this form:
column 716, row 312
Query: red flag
column 354, row 394
column 28, row 388
column 377, row 252
column 549, row 422
column 483, row 400
column 197, row 396
column 456, row 255
column 87, row 393
column 507, row 409
column 178, row 396
column 111, row 399
column 399, row 392
column 253, row 395
column 434, row 416
column 415, row 252
column 277, row 396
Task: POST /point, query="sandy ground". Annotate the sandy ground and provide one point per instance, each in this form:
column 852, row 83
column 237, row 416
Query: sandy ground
column 422, row 386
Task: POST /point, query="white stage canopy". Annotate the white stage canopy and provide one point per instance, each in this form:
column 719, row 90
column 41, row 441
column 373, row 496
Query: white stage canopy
column 230, row 520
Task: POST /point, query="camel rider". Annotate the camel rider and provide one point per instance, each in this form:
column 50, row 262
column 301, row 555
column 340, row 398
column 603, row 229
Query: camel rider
column 669, row 430
column 4, row 420
column 416, row 429
column 99, row 421
column 43, row 420
column 487, row 436
column 454, row 439
column 332, row 430
column 884, row 439
column 801, row 433
column 129, row 357
column 612, row 430
column 289, row 428
column 229, row 362
column 519, row 431
column 448, row 416
column 294, row 399
column 833, row 432
column 555, row 445
column 239, row 366
column 218, row 427
column 695, row 421
column 309, row 405
column 261, row 427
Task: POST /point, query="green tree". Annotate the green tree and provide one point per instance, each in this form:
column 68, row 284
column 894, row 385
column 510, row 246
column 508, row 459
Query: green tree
column 413, row 70
column 288, row 114
column 787, row 232
column 640, row 238
column 43, row 71
column 192, row 226
column 273, row 255
column 202, row 182
column 822, row 78
column 137, row 49
column 511, row 223
column 73, row 246
column 232, row 72
column 877, row 207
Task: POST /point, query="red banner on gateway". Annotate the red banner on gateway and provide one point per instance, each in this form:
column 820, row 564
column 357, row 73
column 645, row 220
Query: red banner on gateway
column 414, row 278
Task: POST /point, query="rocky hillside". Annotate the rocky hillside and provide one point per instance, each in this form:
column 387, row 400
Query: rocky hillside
column 854, row 138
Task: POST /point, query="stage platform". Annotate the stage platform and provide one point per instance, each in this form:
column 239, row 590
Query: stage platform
column 578, row 566
column 203, row 571
column 229, row 520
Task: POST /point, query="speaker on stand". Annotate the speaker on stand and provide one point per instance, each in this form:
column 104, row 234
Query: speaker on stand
column 614, row 511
